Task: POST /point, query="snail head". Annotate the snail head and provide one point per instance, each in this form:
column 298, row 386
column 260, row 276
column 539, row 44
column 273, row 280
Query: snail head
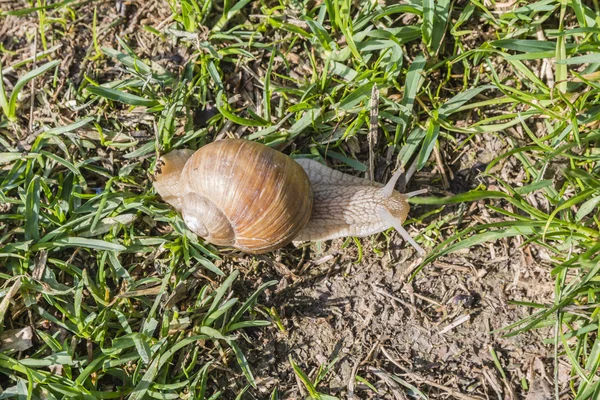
column 396, row 208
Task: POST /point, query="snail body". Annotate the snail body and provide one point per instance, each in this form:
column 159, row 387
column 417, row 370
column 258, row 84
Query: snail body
column 239, row 193
column 346, row 205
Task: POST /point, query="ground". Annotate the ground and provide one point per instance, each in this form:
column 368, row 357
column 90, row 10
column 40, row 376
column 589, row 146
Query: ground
column 486, row 105
column 439, row 328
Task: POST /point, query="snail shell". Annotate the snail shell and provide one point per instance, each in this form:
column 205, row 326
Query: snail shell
column 238, row 193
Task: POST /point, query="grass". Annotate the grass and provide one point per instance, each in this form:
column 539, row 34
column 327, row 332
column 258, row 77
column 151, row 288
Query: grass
column 124, row 301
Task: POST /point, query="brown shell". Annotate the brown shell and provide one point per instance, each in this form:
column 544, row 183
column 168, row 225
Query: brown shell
column 264, row 195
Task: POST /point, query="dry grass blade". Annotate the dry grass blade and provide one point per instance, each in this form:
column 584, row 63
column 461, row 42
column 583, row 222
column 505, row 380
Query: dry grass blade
column 373, row 129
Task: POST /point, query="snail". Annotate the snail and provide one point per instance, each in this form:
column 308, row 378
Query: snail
column 240, row 193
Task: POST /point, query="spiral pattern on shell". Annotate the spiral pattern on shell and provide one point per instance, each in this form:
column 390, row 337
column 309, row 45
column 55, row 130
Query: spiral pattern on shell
column 243, row 194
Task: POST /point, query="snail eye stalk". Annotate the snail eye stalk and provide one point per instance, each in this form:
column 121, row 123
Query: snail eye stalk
column 388, row 189
column 397, row 224
column 416, row 193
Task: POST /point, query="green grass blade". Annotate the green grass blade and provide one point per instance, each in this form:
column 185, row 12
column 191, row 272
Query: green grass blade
column 414, row 80
column 221, row 291
column 24, row 80
column 3, row 95
column 243, row 363
column 433, row 130
column 249, row 303
column 228, row 14
column 122, row 97
column 585, row 59
column 32, row 210
column 223, row 109
column 95, row 244
column 312, row 391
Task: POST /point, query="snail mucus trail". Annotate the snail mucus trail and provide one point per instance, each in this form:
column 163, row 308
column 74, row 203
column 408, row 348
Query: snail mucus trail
column 239, row 193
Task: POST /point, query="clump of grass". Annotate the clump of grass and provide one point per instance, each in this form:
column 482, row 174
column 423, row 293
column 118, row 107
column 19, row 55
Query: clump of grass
column 555, row 208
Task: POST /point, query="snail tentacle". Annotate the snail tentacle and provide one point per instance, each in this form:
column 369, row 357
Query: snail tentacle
column 388, row 189
column 416, row 193
column 397, row 224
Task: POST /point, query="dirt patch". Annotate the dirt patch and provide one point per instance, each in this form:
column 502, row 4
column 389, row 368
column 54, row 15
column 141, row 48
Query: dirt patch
column 435, row 332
